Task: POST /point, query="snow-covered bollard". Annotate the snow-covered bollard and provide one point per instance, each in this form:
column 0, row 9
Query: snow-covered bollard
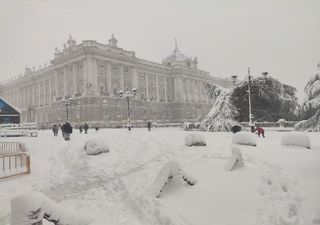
column 296, row 139
column 194, row 139
column 244, row 138
column 236, row 160
column 95, row 147
column 168, row 171
column 31, row 207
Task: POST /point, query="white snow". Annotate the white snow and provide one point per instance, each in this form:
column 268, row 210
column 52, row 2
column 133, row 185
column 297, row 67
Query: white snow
column 31, row 207
column 278, row 185
column 296, row 139
column 236, row 160
column 96, row 147
column 169, row 171
column 244, row 138
column 194, row 139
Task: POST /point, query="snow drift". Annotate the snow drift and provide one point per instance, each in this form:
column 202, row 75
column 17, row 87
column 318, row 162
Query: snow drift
column 194, row 139
column 32, row 207
column 296, row 139
column 236, row 160
column 244, row 138
column 168, row 171
column 96, row 147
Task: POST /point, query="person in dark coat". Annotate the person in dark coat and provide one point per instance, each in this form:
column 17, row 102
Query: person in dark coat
column 85, row 127
column 55, row 130
column 96, row 128
column 149, row 125
column 80, row 129
column 67, row 129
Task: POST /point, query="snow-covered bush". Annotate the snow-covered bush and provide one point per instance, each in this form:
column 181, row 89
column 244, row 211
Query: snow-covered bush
column 168, row 171
column 296, row 139
column 244, row 138
column 95, row 147
column 32, row 207
column 236, row 160
column 194, row 139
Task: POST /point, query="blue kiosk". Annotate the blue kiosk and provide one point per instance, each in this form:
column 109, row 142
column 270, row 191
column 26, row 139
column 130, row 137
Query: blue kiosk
column 8, row 114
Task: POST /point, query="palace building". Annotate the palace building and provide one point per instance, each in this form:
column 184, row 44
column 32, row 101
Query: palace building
column 92, row 75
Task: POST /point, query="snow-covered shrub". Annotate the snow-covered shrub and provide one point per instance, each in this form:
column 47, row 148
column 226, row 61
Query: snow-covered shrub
column 95, row 147
column 32, row 207
column 236, row 160
column 296, row 139
column 168, row 171
column 194, row 139
column 244, row 138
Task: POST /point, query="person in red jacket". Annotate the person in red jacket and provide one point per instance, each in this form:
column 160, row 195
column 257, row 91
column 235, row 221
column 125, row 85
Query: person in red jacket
column 260, row 131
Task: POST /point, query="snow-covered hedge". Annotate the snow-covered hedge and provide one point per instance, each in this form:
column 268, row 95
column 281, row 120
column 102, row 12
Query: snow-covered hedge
column 194, row 139
column 32, row 207
column 296, row 139
column 168, row 171
column 95, row 147
column 244, row 138
column 236, row 160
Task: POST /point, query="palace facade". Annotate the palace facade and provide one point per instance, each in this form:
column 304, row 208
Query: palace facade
column 93, row 74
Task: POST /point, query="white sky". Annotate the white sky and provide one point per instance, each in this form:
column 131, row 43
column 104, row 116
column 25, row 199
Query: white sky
column 278, row 36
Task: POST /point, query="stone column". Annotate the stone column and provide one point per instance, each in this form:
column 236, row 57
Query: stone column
column 165, row 89
column 157, row 87
column 92, row 76
column 74, row 77
column 121, row 78
column 134, row 78
column 109, row 83
column 147, row 87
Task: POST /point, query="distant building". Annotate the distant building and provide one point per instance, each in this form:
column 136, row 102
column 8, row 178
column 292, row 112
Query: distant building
column 8, row 114
column 92, row 74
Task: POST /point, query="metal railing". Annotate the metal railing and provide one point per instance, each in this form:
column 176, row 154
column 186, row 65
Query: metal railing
column 12, row 165
column 13, row 159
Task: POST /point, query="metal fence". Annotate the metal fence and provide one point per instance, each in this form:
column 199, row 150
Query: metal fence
column 13, row 159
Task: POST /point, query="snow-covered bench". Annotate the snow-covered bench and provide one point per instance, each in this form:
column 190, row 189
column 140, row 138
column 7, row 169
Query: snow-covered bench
column 296, row 139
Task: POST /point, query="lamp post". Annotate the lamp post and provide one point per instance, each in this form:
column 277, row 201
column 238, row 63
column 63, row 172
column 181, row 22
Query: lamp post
column 249, row 94
column 128, row 95
column 67, row 103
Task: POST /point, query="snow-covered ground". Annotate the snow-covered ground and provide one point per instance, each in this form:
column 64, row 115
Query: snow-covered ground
column 278, row 184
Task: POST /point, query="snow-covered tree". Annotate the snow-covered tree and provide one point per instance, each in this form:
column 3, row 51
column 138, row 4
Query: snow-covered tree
column 270, row 99
column 311, row 103
column 223, row 113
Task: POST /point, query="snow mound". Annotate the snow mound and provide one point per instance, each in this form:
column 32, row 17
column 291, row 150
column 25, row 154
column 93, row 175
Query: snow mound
column 96, row 147
column 32, row 207
column 244, row 138
column 310, row 125
column 296, row 139
column 195, row 139
column 236, row 160
column 168, row 171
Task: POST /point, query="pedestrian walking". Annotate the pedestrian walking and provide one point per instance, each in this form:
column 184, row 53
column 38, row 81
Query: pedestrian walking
column 85, row 127
column 55, row 130
column 260, row 131
column 67, row 129
column 149, row 125
column 80, row 129
column 96, row 128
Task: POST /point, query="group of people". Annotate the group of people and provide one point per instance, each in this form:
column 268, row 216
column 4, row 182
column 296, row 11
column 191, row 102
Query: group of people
column 67, row 129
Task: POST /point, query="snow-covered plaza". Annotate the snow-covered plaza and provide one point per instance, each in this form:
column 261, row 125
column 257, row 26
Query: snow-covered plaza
column 277, row 185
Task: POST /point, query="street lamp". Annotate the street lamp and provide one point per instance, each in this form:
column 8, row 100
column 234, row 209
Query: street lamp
column 128, row 95
column 251, row 124
column 67, row 103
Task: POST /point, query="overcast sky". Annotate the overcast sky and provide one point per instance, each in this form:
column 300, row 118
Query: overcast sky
column 278, row 36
